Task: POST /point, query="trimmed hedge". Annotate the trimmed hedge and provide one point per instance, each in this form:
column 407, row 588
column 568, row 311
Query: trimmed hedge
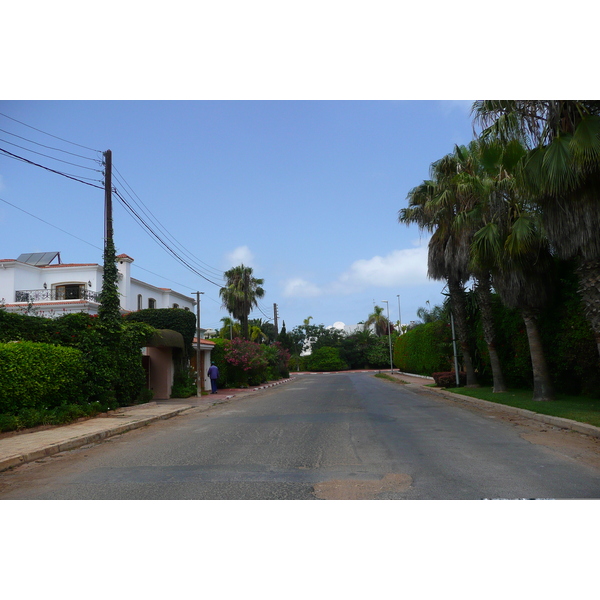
column 325, row 359
column 37, row 375
column 424, row 350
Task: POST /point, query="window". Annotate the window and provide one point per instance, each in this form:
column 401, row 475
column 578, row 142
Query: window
column 151, row 303
column 73, row 291
column 175, row 305
column 140, row 305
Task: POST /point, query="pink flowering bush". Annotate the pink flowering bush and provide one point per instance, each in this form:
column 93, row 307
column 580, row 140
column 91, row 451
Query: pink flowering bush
column 247, row 361
column 243, row 363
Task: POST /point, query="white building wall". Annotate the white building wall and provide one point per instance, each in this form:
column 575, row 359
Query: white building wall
column 15, row 276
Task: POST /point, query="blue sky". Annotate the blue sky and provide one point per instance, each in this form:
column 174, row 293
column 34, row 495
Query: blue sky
column 305, row 192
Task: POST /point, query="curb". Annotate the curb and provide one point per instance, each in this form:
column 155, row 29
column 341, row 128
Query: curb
column 560, row 422
column 21, row 458
column 82, row 440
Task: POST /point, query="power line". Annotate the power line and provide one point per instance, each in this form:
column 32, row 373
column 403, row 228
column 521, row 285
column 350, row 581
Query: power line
column 49, row 147
column 46, row 133
column 94, row 245
column 201, row 264
column 160, row 240
column 51, row 157
column 51, row 225
column 17, row 157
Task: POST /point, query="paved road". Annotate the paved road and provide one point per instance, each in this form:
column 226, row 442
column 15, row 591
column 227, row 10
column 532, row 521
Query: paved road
column 332, row 436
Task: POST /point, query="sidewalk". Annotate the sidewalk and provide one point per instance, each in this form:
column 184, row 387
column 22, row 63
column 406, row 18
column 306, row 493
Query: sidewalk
column 26, row 447
column 578, row 426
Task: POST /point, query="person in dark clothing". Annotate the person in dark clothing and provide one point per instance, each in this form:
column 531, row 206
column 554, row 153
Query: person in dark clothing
column 213, row 373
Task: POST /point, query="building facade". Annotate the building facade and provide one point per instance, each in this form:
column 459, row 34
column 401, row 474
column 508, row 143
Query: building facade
column 40, row 284
column 35, row 284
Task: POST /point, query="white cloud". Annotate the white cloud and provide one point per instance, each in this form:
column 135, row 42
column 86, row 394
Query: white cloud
column 406, row 267
column 400, row 268
column 241, row 255
column 300, row 288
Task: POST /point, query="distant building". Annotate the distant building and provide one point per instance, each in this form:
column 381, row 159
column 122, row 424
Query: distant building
column 32, row 283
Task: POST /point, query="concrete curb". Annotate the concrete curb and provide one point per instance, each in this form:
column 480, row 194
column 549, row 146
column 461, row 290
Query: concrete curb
column 560, row 422
column 43, row 449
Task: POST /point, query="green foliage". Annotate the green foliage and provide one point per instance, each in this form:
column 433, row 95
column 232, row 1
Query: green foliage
column 110, row 304
column 184, row 384
column 38, row 375
column 425, row 349
column 15, row 327
column 568, row 340
column 184, row 322
column 243, row 363
column 325, row 359
column 177, row 319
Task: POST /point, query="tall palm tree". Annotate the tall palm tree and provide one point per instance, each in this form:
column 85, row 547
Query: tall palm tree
column 433, row 206
column 561, row 173
column 379, row 320
column 241, row 294
column 512, row 246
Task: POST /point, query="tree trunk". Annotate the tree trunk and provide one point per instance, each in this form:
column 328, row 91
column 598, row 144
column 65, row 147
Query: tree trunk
column 457, row 296
column 484, row 296
column 588, row 273
column 542, row 384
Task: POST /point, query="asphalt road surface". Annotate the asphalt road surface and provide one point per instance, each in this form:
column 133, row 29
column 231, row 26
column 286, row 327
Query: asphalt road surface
column 326, row 436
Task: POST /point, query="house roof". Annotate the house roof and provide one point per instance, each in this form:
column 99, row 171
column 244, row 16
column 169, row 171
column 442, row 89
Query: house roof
column 70, row 265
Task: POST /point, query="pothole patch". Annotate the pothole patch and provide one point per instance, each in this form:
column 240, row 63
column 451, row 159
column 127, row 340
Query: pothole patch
column 355, row 489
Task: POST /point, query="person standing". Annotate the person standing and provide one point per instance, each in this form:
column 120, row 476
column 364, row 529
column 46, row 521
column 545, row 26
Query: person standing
column 213, row 373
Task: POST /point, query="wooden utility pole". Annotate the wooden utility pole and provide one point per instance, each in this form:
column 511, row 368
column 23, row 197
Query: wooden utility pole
column 108, row 220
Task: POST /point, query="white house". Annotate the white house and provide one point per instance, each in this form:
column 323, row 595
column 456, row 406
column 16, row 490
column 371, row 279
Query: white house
column 35, row 282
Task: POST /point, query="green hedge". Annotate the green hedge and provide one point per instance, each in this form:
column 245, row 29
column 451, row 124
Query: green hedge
column 38, row 375
column 325, row 359
column 424, row 350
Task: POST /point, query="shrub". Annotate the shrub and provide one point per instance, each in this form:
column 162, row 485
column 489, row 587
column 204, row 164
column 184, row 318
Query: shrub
column 424, row 350
column 448, row 379
column 184, row 384
column 37, row 375
column 325, row 359
column 247, row 362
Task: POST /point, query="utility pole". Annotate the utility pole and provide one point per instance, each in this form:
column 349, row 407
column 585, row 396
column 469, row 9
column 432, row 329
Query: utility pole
column 108, row 220
column 275, row 320
column 199, row 367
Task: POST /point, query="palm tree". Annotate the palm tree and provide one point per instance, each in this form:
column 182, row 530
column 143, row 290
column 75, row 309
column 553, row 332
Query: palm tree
column 379, row 320
column 241, row 294
column 561, row 173
column 230, row 328
column 433, row 205
column 511, row 245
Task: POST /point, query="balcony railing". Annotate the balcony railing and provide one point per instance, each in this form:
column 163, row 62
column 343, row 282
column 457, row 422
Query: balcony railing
column 56, row 295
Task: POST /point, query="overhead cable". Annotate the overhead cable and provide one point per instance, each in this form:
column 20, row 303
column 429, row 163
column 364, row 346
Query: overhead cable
column 49, row 147
column 160, row 240
column 46, row 133
column 48, row 156
column 201, row 264
column 80, row 179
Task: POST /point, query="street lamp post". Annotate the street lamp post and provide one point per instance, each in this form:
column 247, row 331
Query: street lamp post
column 389, row 334
column 199, row 381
